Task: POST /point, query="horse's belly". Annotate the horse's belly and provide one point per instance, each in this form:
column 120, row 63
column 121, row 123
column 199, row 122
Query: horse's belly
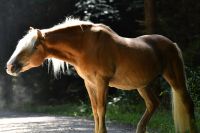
column 127, row 83
column 128, row 80
column 123, row 86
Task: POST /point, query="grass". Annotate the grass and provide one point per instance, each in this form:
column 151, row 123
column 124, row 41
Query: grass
column 65, row 109
column 161, row 121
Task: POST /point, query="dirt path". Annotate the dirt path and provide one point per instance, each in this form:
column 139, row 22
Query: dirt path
column 13, row 122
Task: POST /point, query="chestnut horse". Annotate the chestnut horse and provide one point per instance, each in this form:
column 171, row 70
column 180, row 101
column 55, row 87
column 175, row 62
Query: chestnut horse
column 103, row 58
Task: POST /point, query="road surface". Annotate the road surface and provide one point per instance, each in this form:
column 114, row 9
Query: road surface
column 15, row 122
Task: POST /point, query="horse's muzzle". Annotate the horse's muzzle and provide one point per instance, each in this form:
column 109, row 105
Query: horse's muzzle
column 13, row 69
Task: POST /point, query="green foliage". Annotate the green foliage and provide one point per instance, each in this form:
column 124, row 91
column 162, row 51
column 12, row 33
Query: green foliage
column 69, row 109
column 193, row 80
column 97, row 10
column 124, row 97
column 191, row 53
column 124, row 112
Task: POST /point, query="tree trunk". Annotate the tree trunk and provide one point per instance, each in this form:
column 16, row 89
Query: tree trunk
column 150, row 16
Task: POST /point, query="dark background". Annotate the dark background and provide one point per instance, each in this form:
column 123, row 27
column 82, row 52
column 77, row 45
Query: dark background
column 179, row 20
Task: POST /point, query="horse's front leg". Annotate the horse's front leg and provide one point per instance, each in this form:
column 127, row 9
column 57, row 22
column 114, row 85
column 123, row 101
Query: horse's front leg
column 102, row 89
column 93, row 99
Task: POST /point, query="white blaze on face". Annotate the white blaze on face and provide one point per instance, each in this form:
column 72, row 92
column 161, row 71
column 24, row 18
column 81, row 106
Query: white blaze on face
column 26, row 43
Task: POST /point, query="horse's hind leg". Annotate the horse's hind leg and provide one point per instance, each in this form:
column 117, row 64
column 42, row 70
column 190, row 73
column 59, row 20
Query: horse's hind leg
column 152, row 103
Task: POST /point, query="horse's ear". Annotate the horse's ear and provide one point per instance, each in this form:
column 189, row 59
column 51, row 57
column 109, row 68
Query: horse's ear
column 39, row 34
column 40, row 38
column 31, row 28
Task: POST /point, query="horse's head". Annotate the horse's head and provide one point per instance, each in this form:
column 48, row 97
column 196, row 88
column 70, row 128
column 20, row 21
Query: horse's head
column 29, row 53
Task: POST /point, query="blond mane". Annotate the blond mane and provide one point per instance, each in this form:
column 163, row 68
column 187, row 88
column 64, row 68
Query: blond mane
column 58, row 66
column 69, row 21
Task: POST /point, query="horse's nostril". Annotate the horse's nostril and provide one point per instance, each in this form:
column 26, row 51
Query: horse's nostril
column 14, row 68
column 11, row 67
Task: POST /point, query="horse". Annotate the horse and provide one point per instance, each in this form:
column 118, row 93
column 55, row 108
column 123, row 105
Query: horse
column 104, row 59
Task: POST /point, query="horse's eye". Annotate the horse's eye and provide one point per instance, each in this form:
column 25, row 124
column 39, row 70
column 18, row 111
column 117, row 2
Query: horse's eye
column 35, row 48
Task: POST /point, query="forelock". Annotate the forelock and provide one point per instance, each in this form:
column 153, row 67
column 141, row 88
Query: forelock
column 28, row 41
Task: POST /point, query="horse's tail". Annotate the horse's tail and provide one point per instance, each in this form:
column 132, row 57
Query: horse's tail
column 183, row 110
column 183, row 116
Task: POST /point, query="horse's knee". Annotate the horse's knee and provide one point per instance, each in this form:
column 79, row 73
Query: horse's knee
column 155, row 105
column 101, row 110
column 152, row 105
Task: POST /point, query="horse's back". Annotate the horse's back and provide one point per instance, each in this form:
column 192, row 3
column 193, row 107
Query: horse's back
column 159, row 43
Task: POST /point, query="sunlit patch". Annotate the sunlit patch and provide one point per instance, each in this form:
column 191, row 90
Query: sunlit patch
column 69, row 21
column 25, row 120
column 38, row 124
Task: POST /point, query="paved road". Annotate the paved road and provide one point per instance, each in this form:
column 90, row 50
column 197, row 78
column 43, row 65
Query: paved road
column 12, row 122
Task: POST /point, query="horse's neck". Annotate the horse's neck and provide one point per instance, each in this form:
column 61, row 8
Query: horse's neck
column 65, row 44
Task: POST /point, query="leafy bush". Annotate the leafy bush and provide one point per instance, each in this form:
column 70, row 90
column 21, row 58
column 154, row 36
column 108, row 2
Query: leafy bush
column 97, row 10
column 193, row 80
